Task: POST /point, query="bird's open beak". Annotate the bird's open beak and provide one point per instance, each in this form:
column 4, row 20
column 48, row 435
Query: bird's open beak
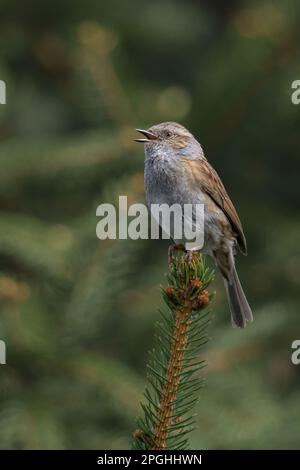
column 149, row 136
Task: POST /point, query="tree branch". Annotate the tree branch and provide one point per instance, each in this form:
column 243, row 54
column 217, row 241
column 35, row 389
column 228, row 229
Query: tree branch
column 174, row 364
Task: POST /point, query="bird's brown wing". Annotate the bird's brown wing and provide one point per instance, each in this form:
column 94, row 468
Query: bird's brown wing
column 204, row 176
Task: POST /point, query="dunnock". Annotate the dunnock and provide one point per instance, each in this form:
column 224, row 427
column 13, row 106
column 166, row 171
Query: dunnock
column 177, row 172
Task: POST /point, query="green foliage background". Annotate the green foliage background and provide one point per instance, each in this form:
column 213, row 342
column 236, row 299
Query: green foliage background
column 77, row 314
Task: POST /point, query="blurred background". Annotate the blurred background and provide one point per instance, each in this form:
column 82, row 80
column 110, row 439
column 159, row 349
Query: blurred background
column 78, row 314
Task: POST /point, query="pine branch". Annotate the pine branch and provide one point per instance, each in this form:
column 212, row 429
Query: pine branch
column 174, row 365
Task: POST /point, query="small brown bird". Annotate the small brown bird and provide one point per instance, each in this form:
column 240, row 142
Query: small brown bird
column 177, row 172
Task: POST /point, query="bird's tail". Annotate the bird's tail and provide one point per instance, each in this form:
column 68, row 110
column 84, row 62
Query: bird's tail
column 240, row 310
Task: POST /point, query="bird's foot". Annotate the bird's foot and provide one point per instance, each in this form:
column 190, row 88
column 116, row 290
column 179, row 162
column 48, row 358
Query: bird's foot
column 173, row 249
column 192, row 256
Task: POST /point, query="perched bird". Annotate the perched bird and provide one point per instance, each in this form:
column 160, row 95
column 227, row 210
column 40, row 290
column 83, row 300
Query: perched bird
column 177, row 172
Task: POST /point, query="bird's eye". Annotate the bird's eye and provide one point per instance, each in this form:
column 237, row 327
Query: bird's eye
column 168, row 134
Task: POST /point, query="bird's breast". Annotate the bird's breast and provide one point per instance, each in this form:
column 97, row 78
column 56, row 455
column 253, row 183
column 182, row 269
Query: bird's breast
column 166, row 182
column 161, row 179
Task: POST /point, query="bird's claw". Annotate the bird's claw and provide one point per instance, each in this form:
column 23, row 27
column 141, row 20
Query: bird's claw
column 172, row 252
column 192, row 256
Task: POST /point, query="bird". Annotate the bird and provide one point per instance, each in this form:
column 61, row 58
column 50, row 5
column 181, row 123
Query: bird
column 177, row 172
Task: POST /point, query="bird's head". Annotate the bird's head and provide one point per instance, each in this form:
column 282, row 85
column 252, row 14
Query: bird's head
column 168, row 137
